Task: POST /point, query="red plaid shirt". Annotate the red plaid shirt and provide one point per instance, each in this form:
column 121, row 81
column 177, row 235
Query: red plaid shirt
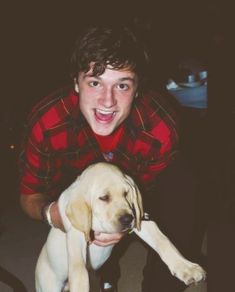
column 60, row 144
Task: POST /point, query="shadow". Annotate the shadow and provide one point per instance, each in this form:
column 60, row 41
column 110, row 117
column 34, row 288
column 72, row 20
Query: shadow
column 7, row 277
column 12, row 281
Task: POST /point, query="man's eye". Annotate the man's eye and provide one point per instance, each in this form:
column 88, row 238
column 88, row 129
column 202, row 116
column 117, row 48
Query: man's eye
column 123, row 86
column 94, row 83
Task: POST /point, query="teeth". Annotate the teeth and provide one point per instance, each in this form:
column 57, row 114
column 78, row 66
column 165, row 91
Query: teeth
column 104, row 112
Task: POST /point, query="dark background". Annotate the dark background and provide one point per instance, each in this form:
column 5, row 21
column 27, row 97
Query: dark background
column 36, row 42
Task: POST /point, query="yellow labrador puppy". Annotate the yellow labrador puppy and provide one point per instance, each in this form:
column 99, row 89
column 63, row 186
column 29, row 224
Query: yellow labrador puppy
column 106, row 200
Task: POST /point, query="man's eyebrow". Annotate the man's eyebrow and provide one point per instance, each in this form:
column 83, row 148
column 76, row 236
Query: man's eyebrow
column 132, row 79
column 90, row 76
column 127, row 79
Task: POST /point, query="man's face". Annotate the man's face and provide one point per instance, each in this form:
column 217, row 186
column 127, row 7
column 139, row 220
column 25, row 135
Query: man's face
column 106, row 100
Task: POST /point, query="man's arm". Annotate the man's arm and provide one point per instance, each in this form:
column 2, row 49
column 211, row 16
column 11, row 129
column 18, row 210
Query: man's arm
column 34, row 204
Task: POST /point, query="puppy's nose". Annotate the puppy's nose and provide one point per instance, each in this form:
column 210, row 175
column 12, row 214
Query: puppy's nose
column 126, row 220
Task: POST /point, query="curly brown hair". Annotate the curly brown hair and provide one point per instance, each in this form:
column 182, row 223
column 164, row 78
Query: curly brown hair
column 117, row 46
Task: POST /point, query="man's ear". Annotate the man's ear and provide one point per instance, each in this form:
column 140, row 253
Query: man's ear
column 76, row 87
column 78, row 212
column 136, row 201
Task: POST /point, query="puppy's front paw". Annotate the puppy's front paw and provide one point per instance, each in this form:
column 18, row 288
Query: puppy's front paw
column 189, row 272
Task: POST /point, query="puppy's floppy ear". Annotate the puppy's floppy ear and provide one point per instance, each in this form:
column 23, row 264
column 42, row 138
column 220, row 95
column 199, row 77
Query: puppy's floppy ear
column 136, row 201
column 78, row 212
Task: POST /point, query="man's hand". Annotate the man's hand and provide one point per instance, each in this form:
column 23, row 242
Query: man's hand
column 105, row 239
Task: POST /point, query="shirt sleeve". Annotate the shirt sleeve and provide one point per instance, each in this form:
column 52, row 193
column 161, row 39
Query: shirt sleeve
column 164, row 147
column 39, row 169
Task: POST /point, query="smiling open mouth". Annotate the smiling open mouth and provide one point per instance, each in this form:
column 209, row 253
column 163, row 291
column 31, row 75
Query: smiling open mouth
column 104, row 116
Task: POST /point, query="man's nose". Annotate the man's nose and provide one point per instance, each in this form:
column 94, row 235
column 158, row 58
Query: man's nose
column 108, row 98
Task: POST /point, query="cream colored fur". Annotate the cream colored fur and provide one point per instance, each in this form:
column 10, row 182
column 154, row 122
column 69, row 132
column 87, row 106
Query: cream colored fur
column 96, row 201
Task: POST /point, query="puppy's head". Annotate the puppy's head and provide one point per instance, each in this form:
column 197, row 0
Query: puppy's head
column 106, row 200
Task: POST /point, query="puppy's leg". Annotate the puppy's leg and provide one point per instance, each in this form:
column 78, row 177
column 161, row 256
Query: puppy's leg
column 78, row 274
column 46, row 279
column 180, row 267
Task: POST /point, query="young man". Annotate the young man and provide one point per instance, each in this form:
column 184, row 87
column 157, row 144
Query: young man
column 108, row 114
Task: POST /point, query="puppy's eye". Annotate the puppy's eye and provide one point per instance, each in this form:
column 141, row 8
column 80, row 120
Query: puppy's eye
column 105, row 198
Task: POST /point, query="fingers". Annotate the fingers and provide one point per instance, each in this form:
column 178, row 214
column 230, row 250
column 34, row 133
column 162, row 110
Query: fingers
column 105, row 239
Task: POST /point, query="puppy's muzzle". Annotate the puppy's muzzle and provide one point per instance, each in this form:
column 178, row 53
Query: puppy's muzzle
column 126, row 221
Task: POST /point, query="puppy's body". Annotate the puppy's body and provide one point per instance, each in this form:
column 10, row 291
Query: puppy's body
column 52, row 268
column 105, row 200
